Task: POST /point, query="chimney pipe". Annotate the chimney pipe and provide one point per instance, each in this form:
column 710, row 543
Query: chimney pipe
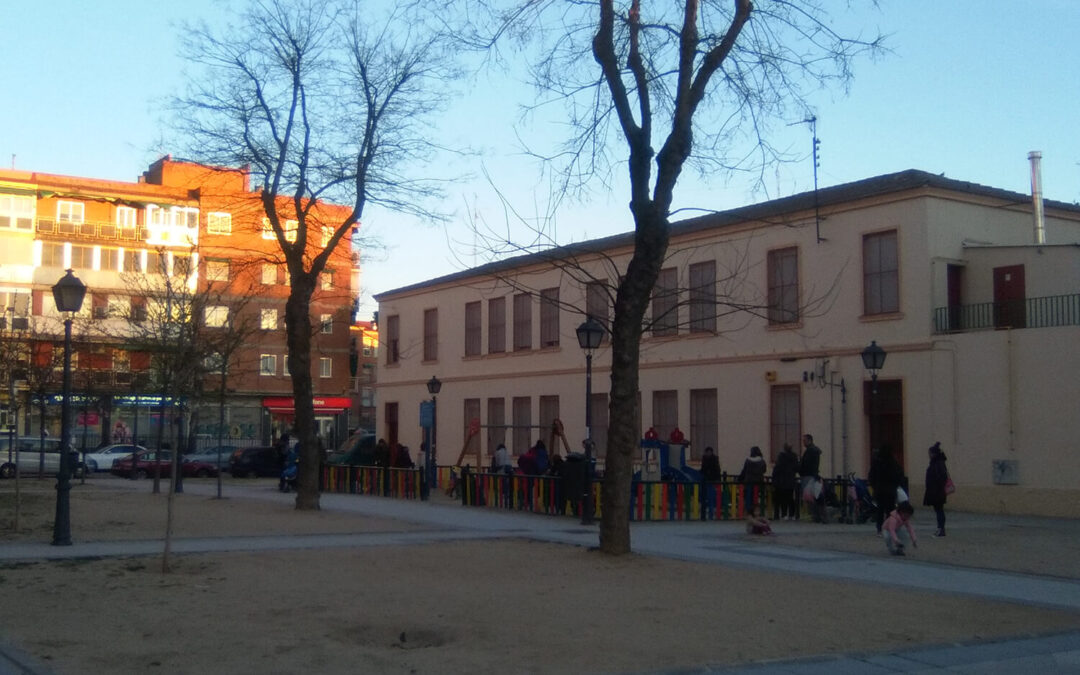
column 1036, row 197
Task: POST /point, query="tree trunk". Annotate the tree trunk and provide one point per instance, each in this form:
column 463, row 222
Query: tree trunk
column 650, row 247
column 298, row 329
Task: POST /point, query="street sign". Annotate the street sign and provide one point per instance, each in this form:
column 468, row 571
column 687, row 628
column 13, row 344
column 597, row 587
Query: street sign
column 427, row 414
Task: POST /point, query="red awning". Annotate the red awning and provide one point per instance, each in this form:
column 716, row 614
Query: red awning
column 284, row 404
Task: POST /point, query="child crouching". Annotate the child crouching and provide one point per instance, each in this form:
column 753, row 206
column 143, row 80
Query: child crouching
column 900, row 517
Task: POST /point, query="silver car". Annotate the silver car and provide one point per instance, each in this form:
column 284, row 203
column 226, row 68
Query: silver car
column 30, row 453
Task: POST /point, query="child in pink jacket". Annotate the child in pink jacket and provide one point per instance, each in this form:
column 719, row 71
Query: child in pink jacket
column 900, row 517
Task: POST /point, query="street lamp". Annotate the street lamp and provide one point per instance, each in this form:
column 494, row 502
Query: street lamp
column 434, row 386
column 873, row 358
column 68, row 293
column 589, row 335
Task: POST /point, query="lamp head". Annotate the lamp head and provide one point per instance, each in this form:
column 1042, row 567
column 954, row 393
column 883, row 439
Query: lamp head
column 69, row 293
column 590, row 334
column 434, row 385
column 873, row 357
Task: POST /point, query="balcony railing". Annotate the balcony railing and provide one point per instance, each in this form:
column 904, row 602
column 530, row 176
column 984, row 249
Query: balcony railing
column 91, row 230
column 1046, row 312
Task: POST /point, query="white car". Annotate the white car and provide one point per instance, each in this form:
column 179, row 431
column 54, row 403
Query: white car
column 102, row 458
column 28, row 451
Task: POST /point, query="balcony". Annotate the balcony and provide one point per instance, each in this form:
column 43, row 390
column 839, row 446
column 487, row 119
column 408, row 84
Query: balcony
column 1046, row 312
column 91, row 230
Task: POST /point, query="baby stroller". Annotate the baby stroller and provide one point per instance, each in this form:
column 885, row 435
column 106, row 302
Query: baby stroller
column 290, row 473
column 862, row 504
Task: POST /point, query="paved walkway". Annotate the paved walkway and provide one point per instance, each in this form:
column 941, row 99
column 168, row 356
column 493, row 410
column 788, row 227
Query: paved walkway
column 692, row 541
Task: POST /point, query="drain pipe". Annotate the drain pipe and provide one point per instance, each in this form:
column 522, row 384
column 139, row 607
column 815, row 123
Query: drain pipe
column 1035, row 158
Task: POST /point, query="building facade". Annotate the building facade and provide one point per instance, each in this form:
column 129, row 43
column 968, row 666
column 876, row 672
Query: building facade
column 202, row 232
column 755, row 332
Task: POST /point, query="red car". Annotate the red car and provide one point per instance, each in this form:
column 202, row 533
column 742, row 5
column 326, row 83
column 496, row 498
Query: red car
column 144, row 463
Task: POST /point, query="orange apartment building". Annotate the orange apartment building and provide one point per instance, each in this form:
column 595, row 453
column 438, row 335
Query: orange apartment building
column 203, row 224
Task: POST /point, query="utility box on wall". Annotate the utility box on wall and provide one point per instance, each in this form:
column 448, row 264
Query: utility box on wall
column 1006, row 472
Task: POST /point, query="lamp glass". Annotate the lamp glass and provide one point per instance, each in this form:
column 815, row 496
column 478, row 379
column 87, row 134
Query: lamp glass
column 873, row 357
column 68, row 293
column 590, row 334
column 434, row 385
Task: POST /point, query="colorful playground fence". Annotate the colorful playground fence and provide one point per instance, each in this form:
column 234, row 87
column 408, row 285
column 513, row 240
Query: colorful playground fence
column 373, row 480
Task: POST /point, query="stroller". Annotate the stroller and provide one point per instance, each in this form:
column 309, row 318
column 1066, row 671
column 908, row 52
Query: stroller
column 290, row 473
column 862, row 506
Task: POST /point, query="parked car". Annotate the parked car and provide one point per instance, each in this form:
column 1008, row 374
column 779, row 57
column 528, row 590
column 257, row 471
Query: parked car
column 102, row 459
column 144, row 463
column 358, row 450
column 30, row 452
column 255, row 462
column 213, row 456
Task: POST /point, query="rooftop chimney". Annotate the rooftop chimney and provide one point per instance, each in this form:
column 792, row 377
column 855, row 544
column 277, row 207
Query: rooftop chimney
column 1035, row 157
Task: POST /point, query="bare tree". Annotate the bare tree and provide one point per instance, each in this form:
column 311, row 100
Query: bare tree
column 670, row 86
column 325, row 103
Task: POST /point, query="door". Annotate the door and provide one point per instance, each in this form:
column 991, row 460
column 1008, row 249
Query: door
column 885, row 418
column 955, row 284
column 1009, row 296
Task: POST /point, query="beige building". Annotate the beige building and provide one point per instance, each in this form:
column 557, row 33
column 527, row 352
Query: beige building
column 755, row 333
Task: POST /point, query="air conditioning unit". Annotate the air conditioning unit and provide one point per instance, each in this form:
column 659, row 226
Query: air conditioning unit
column 101, row 312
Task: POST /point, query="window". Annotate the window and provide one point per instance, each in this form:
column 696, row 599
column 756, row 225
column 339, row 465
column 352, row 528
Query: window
column 784, row 419
column 665, row 413
column 17, row 212
column 326, row 323
column 472, row 328
column 52, row 255
column 269, row 274
column 327, row 279
column 133, row 261
column 496, row 325
column 704, row 428
column 110, row 259
column 596, row 305
column 326, row 233
column 522, row 322
column 181, row 265
column 703, row 297
column 155, row 263
column 70, row 212
column 783, row 271
column 82, row 257
column 218, row 223
column 549, row 317
column 291, row 227
column 665, row 303
column 393, row 338
column 268, row 319
column 267, row 364
column 522, row 416
column 599, row 424
column 118, row 306
column 881, row 273
column 217, row 316
column 125, row 217
column 214, row 363
column 496, row 419
column 431, row 334
column 325, row 366
column 217, row 270
column 549, row 412
column 155, row 215
column 267, row 229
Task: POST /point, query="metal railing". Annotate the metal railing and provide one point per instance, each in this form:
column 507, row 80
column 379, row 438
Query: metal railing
column 1045, row 312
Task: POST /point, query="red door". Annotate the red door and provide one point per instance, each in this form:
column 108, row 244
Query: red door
column 955, row 278
column 1009, row 297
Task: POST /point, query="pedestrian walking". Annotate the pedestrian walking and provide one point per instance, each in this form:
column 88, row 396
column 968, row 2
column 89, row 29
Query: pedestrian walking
column 783, row 480
column 937, row 477
column 810, row 479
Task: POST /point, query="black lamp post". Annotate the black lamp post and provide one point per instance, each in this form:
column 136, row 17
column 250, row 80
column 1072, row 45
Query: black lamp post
column 873, row 358
column 434, row 386
column 589, row 335
column 68, row 294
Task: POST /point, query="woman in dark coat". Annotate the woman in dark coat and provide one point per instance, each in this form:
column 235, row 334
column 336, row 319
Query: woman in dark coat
column 936, row 476
column 783, row 480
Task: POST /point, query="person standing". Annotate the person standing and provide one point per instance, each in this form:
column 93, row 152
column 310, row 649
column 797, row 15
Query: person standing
column 936, row 476
column 752, row 477
column 783, row 480
column 884, row 477
column 502, row 460
column 809, row 470
column 710, row 466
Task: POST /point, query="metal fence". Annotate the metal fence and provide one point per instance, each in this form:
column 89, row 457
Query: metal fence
column 1045, row 312
column 373, row 480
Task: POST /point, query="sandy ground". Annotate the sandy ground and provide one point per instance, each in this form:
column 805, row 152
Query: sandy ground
column 469, row 607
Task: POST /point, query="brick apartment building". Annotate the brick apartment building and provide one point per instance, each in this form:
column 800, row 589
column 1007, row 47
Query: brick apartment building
column 204, row 225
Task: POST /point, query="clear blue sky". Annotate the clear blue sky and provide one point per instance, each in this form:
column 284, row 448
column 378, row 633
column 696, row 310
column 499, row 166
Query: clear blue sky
column 970, row 88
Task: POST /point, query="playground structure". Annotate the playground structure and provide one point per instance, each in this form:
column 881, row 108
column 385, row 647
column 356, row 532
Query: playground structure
column 657, row 455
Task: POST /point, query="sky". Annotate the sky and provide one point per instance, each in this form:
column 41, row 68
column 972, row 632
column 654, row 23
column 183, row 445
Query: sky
column 968, row 89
